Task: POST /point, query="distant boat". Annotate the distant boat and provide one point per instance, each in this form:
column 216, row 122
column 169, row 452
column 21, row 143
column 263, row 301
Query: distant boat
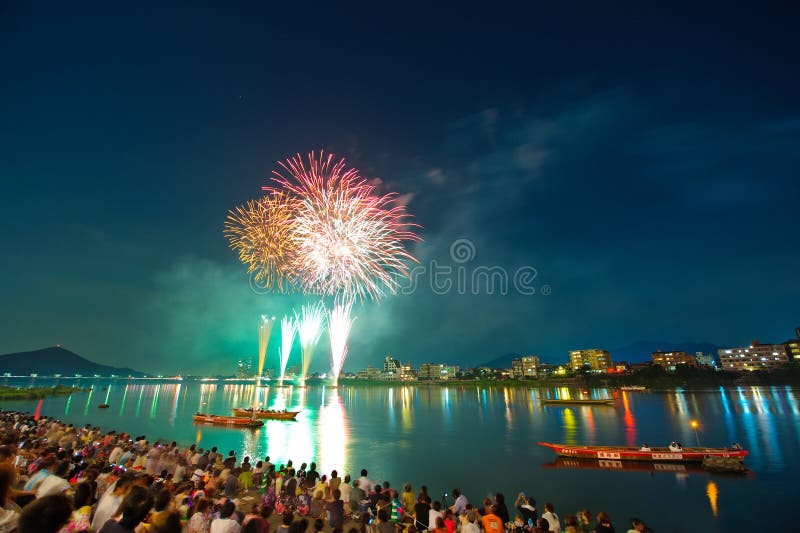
column 577, row 401
column 632, row 453
column 640, row 388
column 103, row 406
column 240, row 421
column 262, row 413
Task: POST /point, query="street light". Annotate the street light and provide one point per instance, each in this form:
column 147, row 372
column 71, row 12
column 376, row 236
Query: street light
column 695, row 424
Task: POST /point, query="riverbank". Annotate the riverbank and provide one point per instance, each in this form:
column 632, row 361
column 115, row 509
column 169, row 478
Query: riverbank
column 653, row 378
column 34, row 393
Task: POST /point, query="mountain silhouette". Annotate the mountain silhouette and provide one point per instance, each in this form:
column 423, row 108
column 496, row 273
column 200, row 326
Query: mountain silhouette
column 57, row 360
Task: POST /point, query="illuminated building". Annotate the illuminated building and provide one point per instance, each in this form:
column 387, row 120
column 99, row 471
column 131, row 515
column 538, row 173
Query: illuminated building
column 244, row 368
column 437, row 371
column 793, row 346
column 369, row 373
column 390, row 364
column 671, row 360
column 757, row 356
column 593, row 359
column 525, row 367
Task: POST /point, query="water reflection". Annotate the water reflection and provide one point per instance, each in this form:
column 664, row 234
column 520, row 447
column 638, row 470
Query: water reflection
column 712, row 492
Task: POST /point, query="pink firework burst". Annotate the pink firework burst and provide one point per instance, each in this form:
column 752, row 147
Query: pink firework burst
column 350, row 240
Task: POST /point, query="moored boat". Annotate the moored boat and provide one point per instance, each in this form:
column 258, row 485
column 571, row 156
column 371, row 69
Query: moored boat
column 241, row 421
column 577, row 401
column 631, row 453
column 640, row 388
column 265, row 413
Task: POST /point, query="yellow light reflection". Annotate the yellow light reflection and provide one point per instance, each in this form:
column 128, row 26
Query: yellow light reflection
column 570, row 426
column 712, row 493
column 333, row 432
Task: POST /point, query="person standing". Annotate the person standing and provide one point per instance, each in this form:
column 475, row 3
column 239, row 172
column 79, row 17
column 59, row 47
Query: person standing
column 552, row 518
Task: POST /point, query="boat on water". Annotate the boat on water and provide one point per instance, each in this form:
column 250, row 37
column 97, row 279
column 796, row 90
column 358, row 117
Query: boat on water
column 241, row 421
column 103, row 406
column 265, row 413
column 631, row 453
column 577, row 401
column 639, row 388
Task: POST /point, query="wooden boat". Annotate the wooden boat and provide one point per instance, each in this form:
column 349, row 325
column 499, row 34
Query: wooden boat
column 263, row 413
column 241, row 421
column 630, row 453
column 577, row 401
column 103, row 406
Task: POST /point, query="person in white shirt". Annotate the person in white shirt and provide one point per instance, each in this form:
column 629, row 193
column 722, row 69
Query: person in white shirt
column 363, row 482
column 225, row 524
column 433, row 514
column 55, row 482
column 552, row 518
column 109, row 502
column 460, row 505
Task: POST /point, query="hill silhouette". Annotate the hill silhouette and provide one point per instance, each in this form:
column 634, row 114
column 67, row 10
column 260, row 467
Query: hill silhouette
column 57, row 360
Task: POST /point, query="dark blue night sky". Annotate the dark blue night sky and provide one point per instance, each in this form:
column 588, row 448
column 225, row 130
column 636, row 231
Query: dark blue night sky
column 644, row 161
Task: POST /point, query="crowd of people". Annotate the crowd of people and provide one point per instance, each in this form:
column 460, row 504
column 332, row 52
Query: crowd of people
column 58, row 478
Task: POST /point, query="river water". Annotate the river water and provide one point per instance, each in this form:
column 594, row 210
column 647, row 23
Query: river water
column 484, row 440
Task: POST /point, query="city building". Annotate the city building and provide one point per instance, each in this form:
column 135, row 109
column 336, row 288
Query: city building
column 437, row 371
column 369, row 373
column 525, row 367
column 391, row 365
column 244, row 368
column 757, row 356
column 594, row 359
column 793, row 346
column 671, row 360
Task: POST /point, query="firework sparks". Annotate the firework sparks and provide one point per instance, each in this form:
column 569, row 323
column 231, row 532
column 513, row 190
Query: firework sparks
column 309, row 329
column 260, row 232
column 288, row 331
column 264, row 332
column 349, row 241
column 339, row 323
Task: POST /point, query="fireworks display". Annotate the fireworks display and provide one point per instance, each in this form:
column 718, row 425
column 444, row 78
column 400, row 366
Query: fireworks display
column 260, row 232
column 339, row 323
column 323, row 229
column 309, row 329
column 264, row 332
column 288, row 331
column 349, row 240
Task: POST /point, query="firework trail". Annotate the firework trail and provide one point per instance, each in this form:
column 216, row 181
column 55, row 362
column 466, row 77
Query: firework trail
column 309, row 329
column 260, row 232
column 264, row 332
column 339, row 323
column 349, row 240
column 288, row 331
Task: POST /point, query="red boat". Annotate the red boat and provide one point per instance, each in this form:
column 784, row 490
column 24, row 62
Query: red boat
column 630, row 453
column 241, row 421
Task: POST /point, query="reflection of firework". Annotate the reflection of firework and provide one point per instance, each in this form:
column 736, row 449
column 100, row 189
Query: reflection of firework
column 259, row 232
column 288, row 331
column 349, row 241
column 309, row 329
column 339, row 323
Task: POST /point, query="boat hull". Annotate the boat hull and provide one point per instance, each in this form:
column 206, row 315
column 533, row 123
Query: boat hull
column 288, row 415
column 623, row 453
column 238, row 421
